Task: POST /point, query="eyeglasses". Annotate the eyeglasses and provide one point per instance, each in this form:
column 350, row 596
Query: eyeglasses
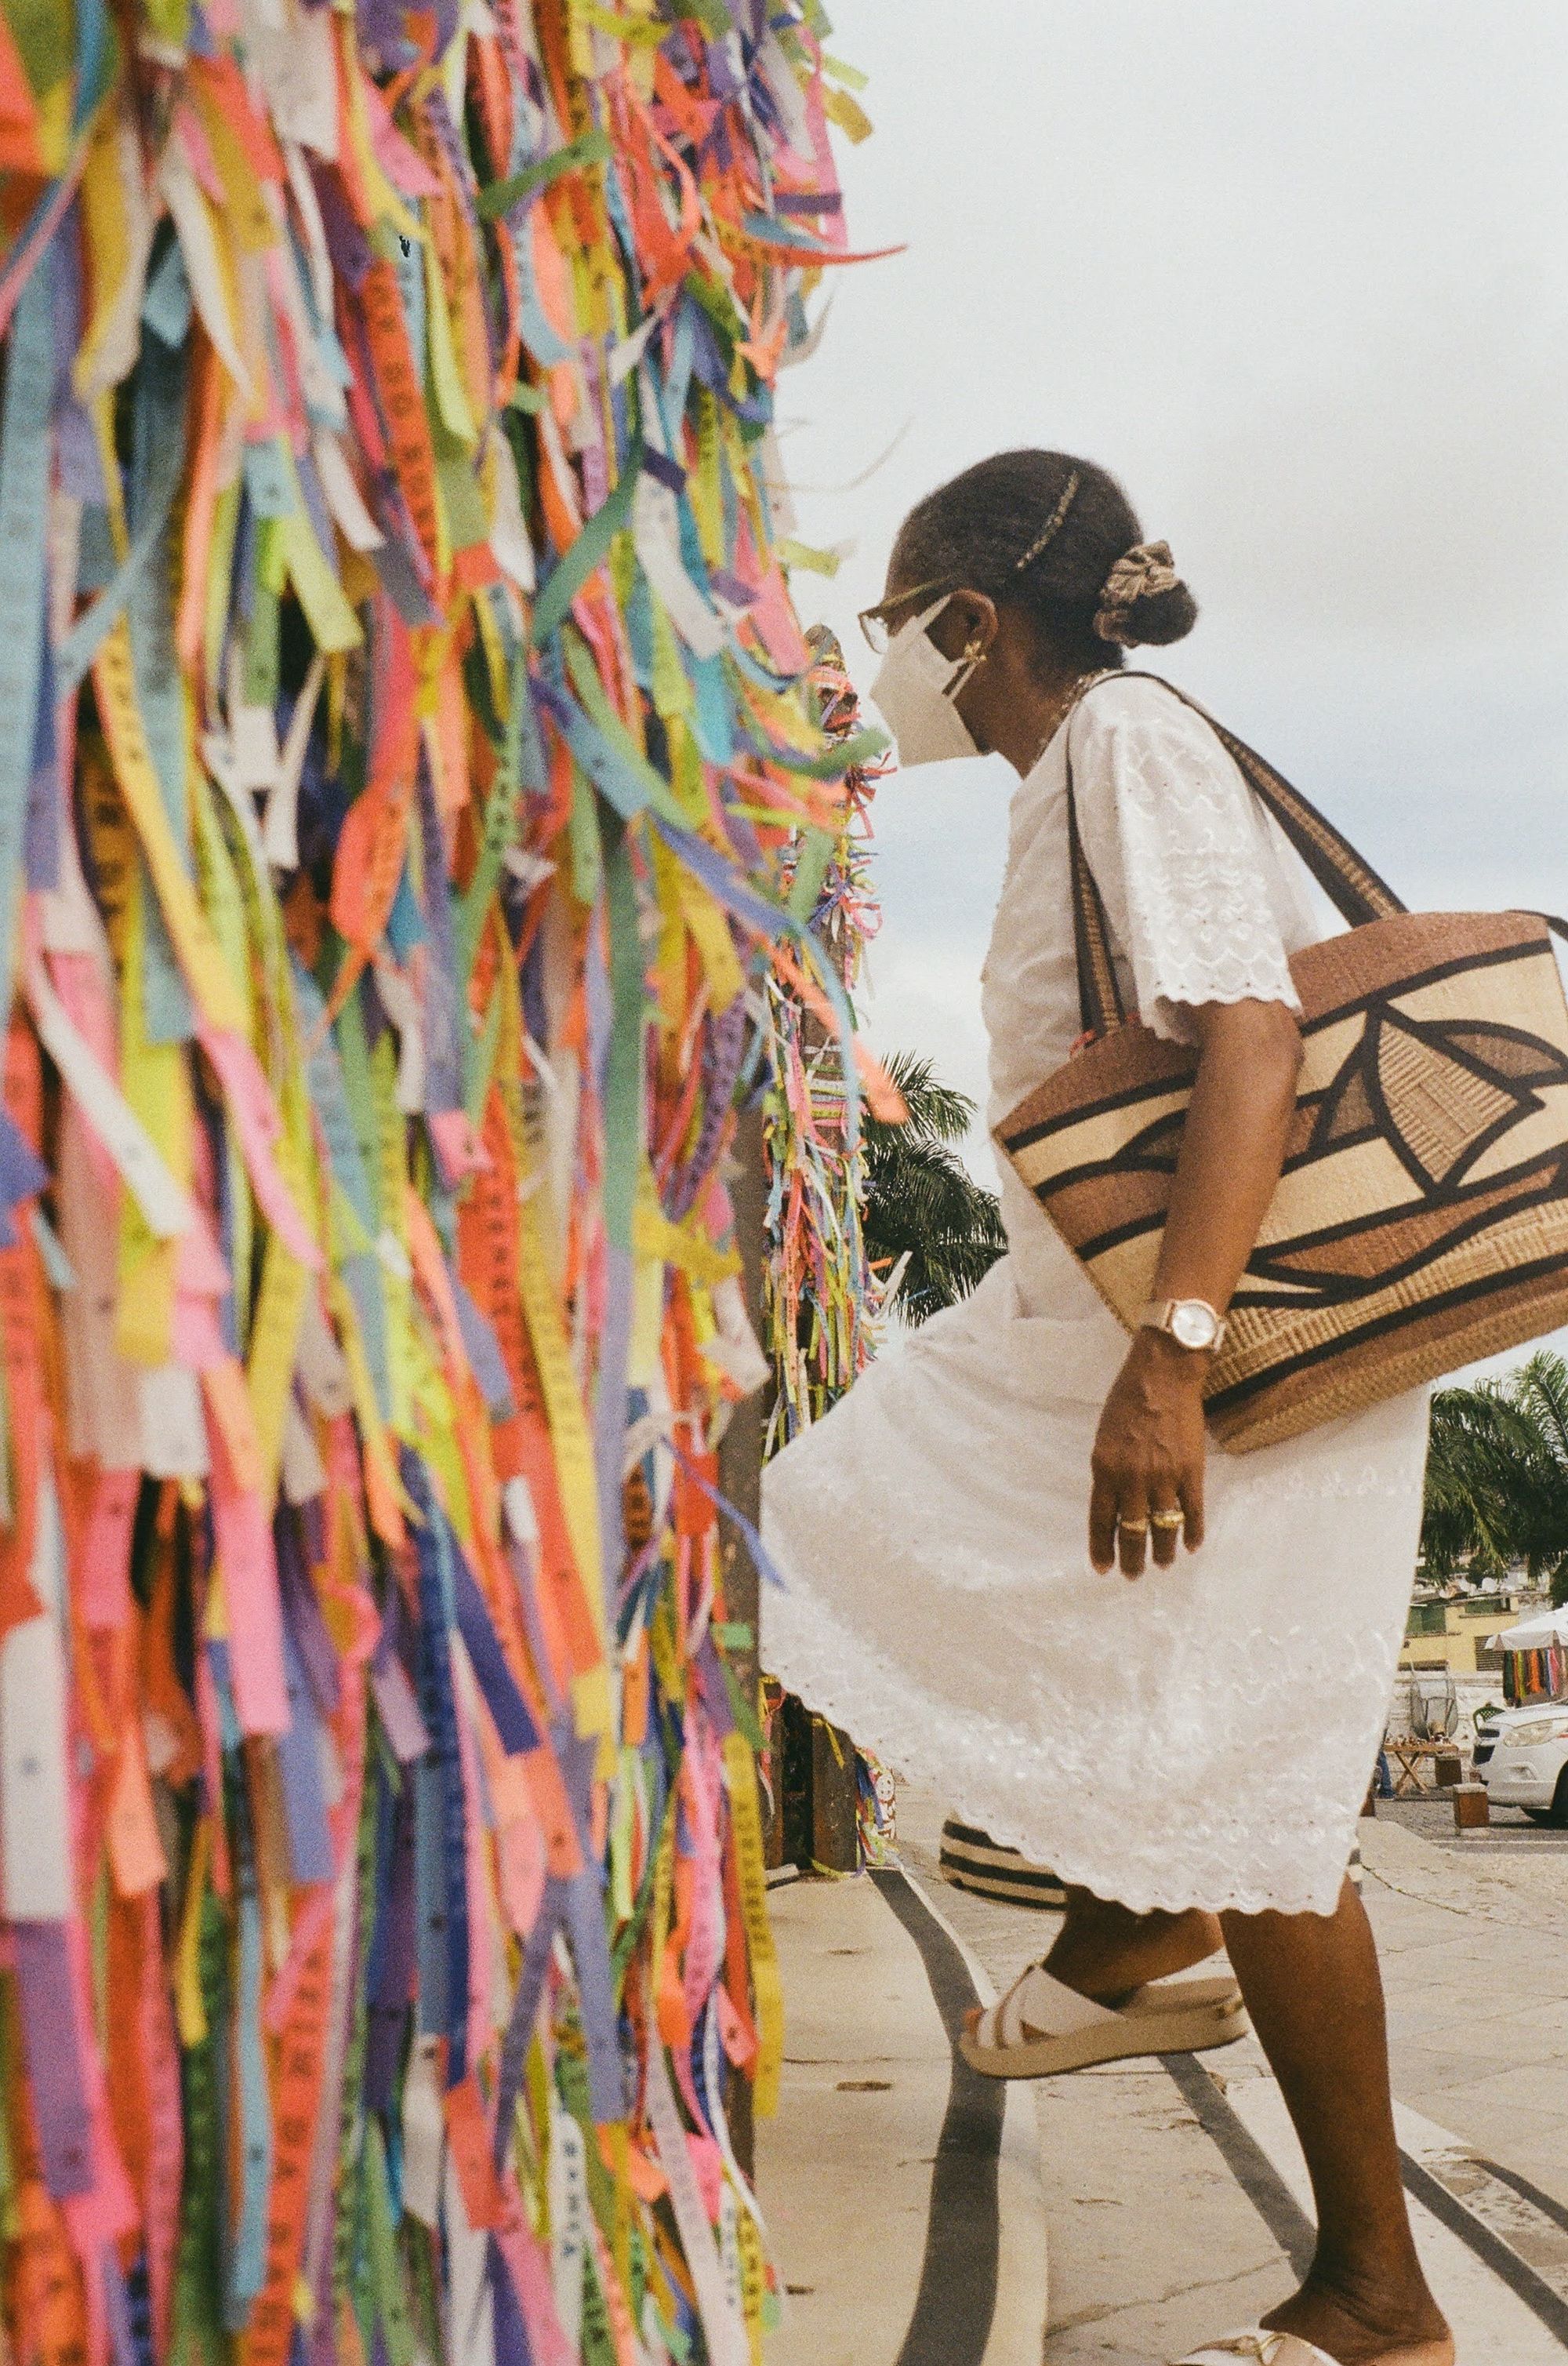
column 874, row 622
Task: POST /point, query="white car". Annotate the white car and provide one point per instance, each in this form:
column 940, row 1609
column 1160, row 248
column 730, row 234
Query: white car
column 1521, row 1755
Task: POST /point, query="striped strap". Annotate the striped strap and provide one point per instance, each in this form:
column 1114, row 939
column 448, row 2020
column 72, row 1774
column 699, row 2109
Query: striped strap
column 1100, row 1001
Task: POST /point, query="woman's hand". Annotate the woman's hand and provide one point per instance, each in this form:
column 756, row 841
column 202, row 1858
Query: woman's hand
column 1148, row 1463
column 1148, row 1456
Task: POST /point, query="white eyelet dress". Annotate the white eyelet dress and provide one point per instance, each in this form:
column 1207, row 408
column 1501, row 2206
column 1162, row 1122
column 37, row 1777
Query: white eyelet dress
column 1202, row 1737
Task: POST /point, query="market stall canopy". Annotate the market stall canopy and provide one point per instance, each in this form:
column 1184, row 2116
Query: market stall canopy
column 1535, row 1634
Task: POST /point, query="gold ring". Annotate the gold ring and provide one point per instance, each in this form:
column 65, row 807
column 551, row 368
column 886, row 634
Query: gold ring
column 1166, row 1520
column 1133, row 1528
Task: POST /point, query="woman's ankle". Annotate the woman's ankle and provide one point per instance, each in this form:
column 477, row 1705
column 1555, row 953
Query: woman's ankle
column 1358, row 2311
column 1102, row 1950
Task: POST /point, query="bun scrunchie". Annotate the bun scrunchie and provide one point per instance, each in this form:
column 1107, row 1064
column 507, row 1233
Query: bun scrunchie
column 1140, row 573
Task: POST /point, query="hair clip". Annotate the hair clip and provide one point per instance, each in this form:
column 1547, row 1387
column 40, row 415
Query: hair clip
column 1052, row 524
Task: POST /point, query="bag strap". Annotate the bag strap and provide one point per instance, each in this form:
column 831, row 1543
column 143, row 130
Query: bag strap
column 1351, row 884
column 1100, row 1003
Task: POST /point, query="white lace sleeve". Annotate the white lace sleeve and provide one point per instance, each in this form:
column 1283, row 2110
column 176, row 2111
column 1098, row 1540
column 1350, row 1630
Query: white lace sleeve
column 1181, row 856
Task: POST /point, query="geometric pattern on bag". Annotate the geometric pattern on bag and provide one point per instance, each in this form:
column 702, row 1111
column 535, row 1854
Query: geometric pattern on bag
column 1421, row 1219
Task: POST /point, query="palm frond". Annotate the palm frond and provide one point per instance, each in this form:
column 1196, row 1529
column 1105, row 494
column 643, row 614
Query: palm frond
column 1539, row 1389
column 1498, row 1475
column 922, row 1203
column 937, row 1112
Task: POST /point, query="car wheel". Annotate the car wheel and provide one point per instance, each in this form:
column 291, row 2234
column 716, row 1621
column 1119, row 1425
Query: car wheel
column 1558, row 1814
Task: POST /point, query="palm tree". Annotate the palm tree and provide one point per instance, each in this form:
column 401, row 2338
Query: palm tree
column 1497, row 1475
column 922, row 1203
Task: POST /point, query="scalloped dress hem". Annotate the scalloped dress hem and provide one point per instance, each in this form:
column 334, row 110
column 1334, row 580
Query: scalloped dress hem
column 1204, row 1737
column 861, row 1708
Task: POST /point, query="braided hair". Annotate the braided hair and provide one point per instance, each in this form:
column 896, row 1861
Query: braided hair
column 1057, row 538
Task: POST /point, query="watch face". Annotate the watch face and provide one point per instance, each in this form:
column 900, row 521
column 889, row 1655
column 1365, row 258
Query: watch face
column 1191, row 1323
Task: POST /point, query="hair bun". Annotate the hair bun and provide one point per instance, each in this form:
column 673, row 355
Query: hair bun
column 1144, row 600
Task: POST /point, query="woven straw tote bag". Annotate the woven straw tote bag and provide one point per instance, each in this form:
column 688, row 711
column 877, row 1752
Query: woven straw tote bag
column 1421, row 1219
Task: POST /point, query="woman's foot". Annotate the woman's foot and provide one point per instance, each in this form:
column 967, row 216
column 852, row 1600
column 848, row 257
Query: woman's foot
column 1105, row 1950
column 1359, row 2326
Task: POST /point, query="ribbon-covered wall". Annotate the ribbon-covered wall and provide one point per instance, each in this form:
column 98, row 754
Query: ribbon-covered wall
column 400, row 723
column 821, row 1298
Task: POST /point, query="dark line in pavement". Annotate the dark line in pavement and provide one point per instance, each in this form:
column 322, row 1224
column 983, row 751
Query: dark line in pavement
column 951, row 2322
column 1247, row 2162
column 1505, row 2264
column 1525, row 2189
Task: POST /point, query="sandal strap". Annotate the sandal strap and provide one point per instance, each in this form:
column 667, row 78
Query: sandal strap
column 1037, row 2002
column 1262, row 2344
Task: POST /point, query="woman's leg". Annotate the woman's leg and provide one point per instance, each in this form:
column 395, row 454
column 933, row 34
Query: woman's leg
column 1311, row 1987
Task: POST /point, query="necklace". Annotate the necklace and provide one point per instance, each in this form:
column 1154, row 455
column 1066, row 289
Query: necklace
column 1063, row 707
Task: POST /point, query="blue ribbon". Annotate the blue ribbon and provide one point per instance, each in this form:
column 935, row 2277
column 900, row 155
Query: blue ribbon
column 591, row 1953
column 506, row 1704
column 518, row 2034
column 248, row 2263
column 440, row 1811
column 754, row 1544
column 25, row 457
column 299, row 1765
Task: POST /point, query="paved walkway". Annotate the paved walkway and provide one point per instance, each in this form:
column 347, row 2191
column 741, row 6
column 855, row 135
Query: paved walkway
column 1476, row 1962
column 901, row 2193
column 1169, row 2195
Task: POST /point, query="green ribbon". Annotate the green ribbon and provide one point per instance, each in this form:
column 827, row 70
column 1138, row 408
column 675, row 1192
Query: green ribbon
column 606, row 749
column 500, row 196
column 386, row 2267
column 588, row 552
column 811, row 866
column 840, row 758
column 623, row 1068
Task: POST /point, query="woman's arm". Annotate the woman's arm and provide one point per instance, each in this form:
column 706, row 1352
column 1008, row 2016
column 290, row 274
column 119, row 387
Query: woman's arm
column 1149, row 1455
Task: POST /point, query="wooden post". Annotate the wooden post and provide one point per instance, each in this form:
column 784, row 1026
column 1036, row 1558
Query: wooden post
column 1471, row 1807
column 836, row 1831
column 740, row 1482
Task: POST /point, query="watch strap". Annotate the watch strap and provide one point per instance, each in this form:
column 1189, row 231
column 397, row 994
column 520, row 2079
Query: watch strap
column 1159, row 1315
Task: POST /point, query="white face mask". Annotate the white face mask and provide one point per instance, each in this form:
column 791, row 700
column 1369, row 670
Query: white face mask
column 915, row 689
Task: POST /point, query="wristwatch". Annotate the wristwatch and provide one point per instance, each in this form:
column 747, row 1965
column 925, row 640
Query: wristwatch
column 1191, row 1322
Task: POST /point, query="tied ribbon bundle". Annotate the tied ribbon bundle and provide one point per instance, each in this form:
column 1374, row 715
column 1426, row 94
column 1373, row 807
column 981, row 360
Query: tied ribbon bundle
column 820, row 1298
column 404, row 739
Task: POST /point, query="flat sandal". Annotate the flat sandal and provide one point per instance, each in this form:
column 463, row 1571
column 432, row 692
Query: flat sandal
column 1042, row 2027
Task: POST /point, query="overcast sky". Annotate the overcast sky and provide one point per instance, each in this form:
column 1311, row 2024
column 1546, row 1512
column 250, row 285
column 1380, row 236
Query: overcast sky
column 1297, row 271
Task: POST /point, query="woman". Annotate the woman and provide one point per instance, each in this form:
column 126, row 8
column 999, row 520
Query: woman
column 1183, row 1739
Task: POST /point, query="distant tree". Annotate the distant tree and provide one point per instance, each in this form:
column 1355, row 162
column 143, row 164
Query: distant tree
column 921, row 1200
column 1497, row 1475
